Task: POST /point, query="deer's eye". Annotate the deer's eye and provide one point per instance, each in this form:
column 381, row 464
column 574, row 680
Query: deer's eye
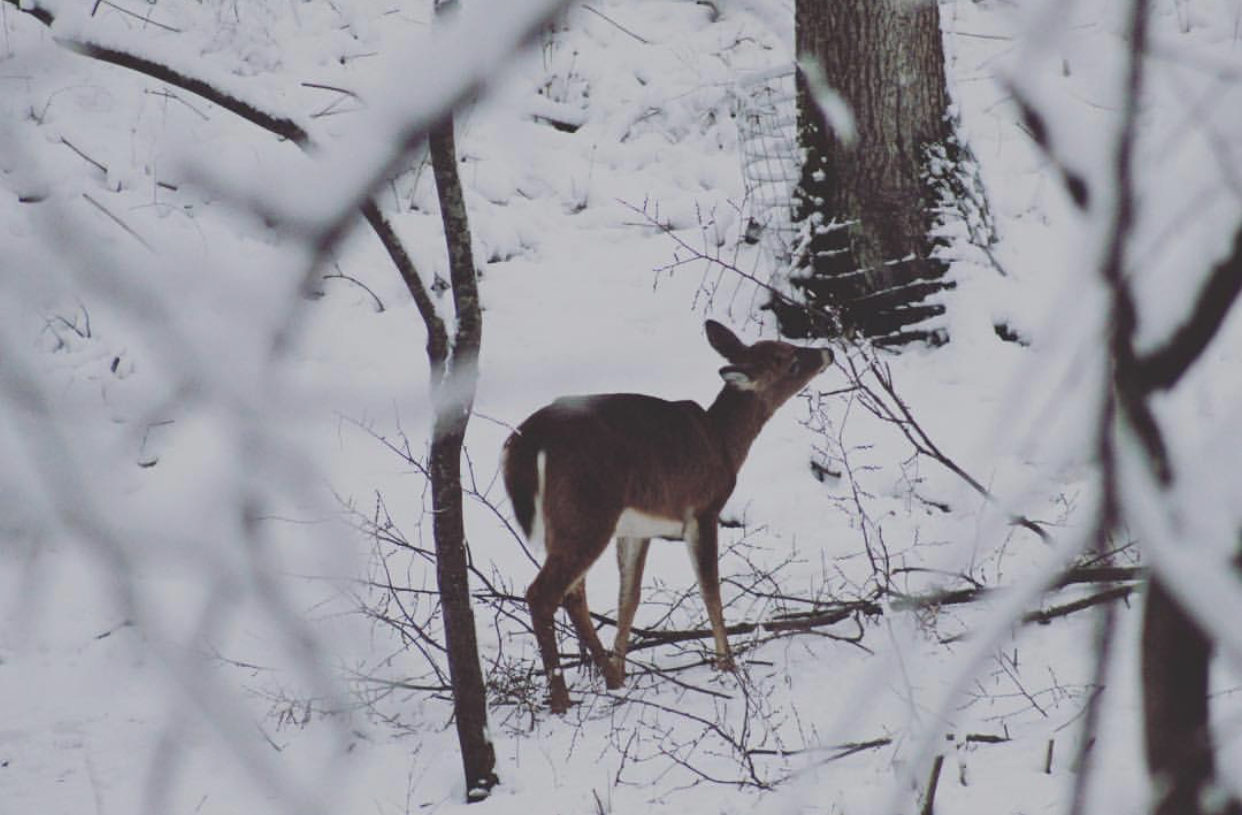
column 794, row 365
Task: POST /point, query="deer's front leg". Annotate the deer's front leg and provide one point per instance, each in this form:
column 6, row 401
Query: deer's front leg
column 701, row 540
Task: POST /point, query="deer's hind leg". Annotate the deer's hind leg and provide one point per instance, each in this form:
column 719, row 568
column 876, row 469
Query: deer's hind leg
column 580, row 616
column 543, row 598
column 570, row 553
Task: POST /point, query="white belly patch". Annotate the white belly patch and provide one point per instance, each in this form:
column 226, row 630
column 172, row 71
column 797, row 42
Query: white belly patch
column 635, row 524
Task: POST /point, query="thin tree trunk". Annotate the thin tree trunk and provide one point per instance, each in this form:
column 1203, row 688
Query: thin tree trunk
column 453, row 395
column 871, row 205
column 1176, row 658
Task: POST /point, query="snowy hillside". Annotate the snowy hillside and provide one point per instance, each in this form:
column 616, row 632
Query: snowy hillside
column 205, row 479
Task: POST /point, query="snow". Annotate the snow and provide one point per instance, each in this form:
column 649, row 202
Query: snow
column 192, row 434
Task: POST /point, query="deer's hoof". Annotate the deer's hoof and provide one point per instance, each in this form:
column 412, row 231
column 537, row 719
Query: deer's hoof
column 558, row 694
column 558, row 703
column 614, row 674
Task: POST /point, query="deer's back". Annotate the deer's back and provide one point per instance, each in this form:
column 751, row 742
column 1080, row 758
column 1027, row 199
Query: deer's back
column 631, row 451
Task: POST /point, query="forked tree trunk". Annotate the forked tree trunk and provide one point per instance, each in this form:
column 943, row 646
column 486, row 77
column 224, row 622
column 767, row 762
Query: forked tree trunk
column 453, row 388
column 871, row 205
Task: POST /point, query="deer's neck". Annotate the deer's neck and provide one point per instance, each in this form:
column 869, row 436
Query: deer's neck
column 738, row 416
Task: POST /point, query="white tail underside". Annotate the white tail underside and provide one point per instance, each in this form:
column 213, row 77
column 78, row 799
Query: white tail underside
column 537, row 528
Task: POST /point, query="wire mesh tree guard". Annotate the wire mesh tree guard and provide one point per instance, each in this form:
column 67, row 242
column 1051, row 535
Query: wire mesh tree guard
column 767, row 125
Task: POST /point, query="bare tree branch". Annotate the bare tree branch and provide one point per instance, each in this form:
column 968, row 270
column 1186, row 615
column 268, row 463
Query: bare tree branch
column 1163, row 368
column 284, row 127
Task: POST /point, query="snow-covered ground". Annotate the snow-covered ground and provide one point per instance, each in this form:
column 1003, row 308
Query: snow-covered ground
column 190, row 439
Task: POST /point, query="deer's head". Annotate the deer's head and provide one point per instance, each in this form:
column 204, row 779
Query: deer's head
column 771, row 370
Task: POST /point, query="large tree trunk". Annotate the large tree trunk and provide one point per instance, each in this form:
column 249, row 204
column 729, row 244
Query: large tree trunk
column 871, row 205
column 453, row 388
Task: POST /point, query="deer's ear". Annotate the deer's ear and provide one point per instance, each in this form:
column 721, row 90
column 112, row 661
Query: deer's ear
column 737, row 377
column 724, row 341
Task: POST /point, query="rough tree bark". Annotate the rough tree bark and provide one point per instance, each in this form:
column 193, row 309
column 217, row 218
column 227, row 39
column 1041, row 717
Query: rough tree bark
column 453, row 387
column 871, row 206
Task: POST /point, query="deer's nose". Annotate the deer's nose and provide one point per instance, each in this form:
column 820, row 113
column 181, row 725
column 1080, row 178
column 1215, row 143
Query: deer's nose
column 827, row 355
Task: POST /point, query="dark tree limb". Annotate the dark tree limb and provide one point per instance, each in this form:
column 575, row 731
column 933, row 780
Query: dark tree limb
column 437, row 335
column 1107, row 596
column 933, row 781
column 1176, row 652
column 1163, row 368
column 834, row 613
column 286, row 128
column 1124, row 404
column 281, row 126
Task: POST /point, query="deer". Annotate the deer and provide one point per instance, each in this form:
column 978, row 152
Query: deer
column 584, row 470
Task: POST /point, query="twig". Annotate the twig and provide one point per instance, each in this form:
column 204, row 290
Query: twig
column 145, row 19
column 709, row 726
column 83, row 155
column 900, row 416
column 102, row 167
column 620, row 27
column 666, row 675
column 379, row 304
column 850, row 748
column 333, row 88
column 844, row 749
column 118, row 221
column 905, row 421
column 798, row 622
column 1046, row 616
column 331, row 108
column 167, row 94
column 268, row 738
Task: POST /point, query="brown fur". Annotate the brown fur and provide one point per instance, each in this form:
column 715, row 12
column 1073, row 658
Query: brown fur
column 521, row 478
column 671, row 460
